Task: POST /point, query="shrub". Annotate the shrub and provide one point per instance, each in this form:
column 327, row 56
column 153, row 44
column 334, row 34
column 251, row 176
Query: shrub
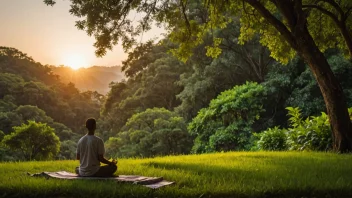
column 313, row 133
column 273, row 139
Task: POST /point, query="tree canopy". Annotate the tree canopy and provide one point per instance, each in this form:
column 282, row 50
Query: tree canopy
column 227, row 123
column 34, row 141
column 286, row 27
column 150, row 133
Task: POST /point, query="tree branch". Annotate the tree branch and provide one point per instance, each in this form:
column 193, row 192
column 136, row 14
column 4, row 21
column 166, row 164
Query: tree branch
column 346, row 14
column 335, row 5
column 183, row 6
column 330, row 14
column 340, row 23
column 279, row 26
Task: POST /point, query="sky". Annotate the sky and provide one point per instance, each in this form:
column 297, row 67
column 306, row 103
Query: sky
column 48, row 34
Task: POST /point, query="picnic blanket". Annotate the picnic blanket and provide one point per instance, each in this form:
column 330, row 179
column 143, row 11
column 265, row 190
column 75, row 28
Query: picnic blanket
column 150, row 182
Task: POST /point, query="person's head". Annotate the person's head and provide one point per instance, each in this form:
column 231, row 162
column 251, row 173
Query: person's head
column 91, row 124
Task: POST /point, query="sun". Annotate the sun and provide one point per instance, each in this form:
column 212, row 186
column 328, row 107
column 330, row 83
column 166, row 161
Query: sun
column 75, row 61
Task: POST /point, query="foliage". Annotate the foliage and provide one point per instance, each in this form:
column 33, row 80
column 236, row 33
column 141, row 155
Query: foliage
column 310, row 134
column 306, row 93
column 281, row 26
column 313, row 133
column 101, row 20
column 211, row 76
column 153, row 132
column 26, row 82
column 67, row 150
column 294, row 85
column 27, row 112
column 31, row 91
column 16, row 62
column 2, row 134
column 273, row 139
column 152, row 83
column 112, row 145
column 35, row 141
column 226, row 124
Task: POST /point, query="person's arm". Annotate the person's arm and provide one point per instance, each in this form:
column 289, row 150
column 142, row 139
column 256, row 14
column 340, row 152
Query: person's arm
column 101, row 151
column 78, row 157
column 105, row 161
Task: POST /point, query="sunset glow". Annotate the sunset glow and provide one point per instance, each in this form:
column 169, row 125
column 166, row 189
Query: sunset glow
column 75, row 61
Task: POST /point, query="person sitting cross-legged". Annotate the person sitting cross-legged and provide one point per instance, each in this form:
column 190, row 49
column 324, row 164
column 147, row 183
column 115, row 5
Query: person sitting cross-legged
column 90, row 152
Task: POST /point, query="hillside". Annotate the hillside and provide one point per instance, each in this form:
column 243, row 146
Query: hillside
column 233, row 174
column 96, row 78
column 30, row 91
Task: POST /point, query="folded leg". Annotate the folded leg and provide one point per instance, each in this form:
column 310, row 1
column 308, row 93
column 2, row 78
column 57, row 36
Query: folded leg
column 106, row 171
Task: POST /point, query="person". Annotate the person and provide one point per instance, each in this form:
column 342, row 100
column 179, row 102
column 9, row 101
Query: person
column 90, row 152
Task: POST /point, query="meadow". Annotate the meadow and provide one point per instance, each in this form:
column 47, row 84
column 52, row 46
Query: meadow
column 232, row 174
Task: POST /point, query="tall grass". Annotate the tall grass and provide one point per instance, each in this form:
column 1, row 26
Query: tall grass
column 235, row 174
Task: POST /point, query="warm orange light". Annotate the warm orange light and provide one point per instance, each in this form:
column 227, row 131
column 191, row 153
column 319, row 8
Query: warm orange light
column 75, row 61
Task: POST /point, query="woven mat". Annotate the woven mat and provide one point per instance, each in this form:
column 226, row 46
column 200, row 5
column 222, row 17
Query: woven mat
column 150, row 182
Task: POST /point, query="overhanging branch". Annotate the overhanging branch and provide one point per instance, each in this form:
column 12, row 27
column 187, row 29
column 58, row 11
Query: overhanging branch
column 279, row 26
column 330, row 14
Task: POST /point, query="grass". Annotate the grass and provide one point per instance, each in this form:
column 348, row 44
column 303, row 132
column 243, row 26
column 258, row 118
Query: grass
column 234, row 174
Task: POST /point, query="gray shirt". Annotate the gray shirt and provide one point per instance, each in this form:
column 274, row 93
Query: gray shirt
column 89, row 147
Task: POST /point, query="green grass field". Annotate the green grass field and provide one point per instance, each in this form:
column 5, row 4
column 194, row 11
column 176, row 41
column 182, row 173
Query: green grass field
column 235, row 174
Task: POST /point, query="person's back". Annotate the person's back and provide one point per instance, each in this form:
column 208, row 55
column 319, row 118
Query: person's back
column 89, row 147
column 90, row 152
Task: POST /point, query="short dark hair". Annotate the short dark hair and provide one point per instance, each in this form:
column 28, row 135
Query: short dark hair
column 90, row 123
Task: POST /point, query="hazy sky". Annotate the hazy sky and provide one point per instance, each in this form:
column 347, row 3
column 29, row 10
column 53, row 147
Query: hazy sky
column 48, row 34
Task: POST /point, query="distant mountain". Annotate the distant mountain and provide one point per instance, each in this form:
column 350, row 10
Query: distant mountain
column 96, row 78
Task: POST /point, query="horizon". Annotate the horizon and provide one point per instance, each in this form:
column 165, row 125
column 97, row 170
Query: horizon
column 48, row 35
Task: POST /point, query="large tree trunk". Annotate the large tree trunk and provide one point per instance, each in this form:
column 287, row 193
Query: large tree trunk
column 300, row 39
column 331, row 90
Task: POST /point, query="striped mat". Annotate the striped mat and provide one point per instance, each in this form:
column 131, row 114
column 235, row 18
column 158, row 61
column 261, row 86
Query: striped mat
column 150, row 182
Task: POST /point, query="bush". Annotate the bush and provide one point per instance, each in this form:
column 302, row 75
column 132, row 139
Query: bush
column 273, row 139
column 313, row 133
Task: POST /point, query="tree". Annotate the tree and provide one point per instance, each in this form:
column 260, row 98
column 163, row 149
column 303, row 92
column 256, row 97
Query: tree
column 67, row 150
column 210, row 76
column 298, row 28
column 9, row 83
column 153, row 76
column 35, row 141
column 152, row 132
column 306, row 93
column 286, row 27
column 16, row 62
column 226, row 124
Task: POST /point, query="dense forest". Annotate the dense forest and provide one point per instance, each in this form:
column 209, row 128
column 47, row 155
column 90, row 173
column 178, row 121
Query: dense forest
column 225, row 96
column 169, row 107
